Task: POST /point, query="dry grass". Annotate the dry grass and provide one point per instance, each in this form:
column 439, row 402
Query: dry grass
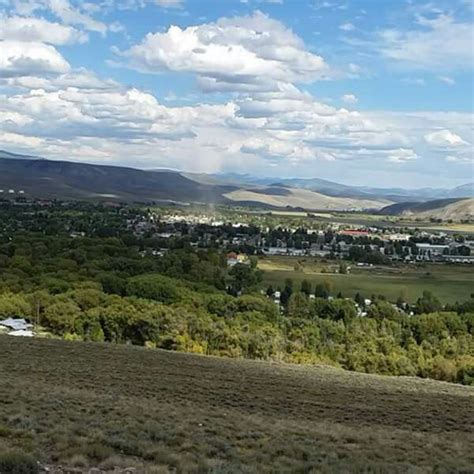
column 305, row 199
column 82, row 405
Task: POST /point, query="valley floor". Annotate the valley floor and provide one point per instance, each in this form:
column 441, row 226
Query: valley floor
column 83, row 404
column 450, row 283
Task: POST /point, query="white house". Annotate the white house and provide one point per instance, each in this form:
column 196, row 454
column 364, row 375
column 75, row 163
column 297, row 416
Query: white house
column 16, row 324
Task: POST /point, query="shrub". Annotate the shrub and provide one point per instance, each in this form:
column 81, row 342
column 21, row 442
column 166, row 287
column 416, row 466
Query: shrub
column 155, row 287
column 18, row 463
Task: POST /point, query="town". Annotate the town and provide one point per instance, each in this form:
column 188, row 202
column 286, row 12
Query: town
column 358, row 243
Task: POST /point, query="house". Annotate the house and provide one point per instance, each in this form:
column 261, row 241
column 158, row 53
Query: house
column 396, row 237
column 355, row 233
column 430, row 250
column 234, row 259
column 16, row 324
column 17, row 327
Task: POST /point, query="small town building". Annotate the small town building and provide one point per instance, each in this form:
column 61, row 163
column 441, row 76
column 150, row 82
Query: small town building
column 234, row 259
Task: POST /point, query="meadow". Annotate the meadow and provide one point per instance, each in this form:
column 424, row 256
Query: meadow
column 450, row 283
column 79, row 405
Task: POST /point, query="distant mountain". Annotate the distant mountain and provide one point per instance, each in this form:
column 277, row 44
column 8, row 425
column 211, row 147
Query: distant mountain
column 67, row 180
column 14, row 156
column 445, row 209
column 39, row 177
column 400, row 194
column 466, row 190
column 330, row 188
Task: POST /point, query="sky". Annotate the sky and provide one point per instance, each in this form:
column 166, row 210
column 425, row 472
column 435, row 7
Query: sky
column 363, row 92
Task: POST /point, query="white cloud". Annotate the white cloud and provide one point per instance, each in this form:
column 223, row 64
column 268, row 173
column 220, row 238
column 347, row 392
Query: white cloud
column 47, row 108
column 73, row 16
column 463, row 160
column 442, row 43
column 19, row 58
column 39, row 30
column 64, row 10
column 169, row 3
column 402, row 155
column 347, row 27
column 444, row 139
column 251, row 52
column 447, row 80
column 79, row 78
column 349, row 99
column 87, row 118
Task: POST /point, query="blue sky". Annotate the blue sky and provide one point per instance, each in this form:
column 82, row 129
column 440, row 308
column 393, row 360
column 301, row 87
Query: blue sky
column 370, row 92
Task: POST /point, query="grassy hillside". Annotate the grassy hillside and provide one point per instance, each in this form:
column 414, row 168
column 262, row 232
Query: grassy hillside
column 83, row 404
column 445, row 209
column 67, row 180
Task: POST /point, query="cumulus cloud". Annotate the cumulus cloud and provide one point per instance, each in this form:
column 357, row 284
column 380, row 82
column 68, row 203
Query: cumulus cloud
column 347, row 27
column 87, row 118
column 349, row 99
column 19, row 58
column 402, row 155
column 48, row 108
column 444, row 139
column 276, row 151
column 230, row 54
column 78, row 110
column 39, row 30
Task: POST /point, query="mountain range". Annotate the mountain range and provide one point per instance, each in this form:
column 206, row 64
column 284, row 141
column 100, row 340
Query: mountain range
column 331, row 188
column 67, row 180
column 39, row 177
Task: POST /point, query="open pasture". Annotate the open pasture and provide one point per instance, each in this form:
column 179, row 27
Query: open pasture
column 450, row 283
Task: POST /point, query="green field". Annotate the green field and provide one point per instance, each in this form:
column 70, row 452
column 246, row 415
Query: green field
column 82, row 405
column 450, row 283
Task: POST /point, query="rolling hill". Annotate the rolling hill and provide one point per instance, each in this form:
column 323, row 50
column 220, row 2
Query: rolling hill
column 302, row 198
column 42, row 178
column 67, row 180
column 89, row 405
column 445, row 209
column 331, row 188
column 15, row 156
